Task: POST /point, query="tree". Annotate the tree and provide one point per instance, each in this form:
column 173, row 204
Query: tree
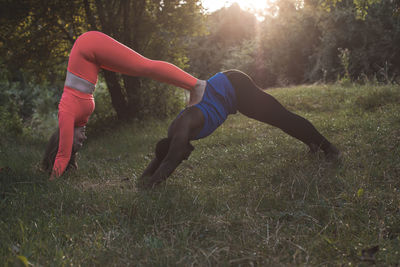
column 226, row 28
column 372, row 42
column 36, row 37
column 155, row 29
column 361, row 6
column 289, row 38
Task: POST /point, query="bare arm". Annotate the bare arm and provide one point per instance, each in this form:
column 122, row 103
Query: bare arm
column 161, row 151
column 179, row 150
column 170, row 152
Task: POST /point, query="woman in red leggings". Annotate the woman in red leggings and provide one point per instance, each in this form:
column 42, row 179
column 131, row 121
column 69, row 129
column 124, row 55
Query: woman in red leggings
column 92, row 51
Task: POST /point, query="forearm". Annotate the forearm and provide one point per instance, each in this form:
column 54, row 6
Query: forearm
column 156, row 172
column 173, row 150
column 151, row 168
column 166, row 168
column 66, row 125
column 179, row 151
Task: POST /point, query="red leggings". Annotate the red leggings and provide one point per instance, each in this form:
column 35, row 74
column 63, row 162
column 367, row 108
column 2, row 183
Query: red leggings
column 92, row 51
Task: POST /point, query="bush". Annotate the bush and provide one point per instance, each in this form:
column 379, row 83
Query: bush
column 10, row 119
column 160, row 100
column 27, row 108
column 11, row 123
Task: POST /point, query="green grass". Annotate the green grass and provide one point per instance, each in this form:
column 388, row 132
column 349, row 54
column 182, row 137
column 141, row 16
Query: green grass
column 248, row 195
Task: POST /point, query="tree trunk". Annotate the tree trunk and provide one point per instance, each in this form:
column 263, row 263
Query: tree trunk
column 133, row 86
column 117, row 98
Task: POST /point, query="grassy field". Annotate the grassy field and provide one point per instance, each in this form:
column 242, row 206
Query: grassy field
column 248, row 195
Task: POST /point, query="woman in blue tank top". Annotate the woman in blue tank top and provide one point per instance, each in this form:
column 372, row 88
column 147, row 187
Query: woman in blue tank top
column 226, row 93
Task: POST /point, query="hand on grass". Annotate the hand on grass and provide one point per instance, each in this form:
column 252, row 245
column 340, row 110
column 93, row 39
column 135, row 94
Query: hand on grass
column 52, row 176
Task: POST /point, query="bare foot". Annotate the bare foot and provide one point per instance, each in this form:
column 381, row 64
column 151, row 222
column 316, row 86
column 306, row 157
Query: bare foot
column 333, row 154
column 197, row 93
column 313, row 149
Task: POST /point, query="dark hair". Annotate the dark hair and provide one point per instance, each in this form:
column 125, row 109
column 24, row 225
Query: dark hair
column 51, row 153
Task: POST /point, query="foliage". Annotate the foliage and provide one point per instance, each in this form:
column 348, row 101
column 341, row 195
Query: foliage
column 344, row 56
column 26, row 107
column 11, row 123
column 370, row 42
column 225, row 32
column 288, row 41
column 35, row 39
column 155, row 29
column 241, row 57
column 301, row 43
column 248, row 195
column 298, row 42
column 361, row 6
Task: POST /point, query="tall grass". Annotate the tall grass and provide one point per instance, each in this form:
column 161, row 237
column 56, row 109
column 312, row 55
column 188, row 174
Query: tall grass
column 248, row 195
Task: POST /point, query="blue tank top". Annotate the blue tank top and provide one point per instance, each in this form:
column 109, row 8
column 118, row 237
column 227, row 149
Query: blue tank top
column 219, row 100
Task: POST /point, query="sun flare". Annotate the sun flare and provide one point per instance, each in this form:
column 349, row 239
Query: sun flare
column 255, row 6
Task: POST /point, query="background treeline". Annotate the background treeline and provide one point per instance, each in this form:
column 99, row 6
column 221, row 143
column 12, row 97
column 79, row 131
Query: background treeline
column 298, row 42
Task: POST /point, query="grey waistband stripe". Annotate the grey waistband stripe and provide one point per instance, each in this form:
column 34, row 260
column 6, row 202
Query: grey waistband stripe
column 79, row 84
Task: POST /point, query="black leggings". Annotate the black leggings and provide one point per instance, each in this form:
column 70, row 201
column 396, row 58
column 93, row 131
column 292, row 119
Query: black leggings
column 256, row 104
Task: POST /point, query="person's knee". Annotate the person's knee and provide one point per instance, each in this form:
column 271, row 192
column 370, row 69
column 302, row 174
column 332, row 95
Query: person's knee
column 89, row 35
column 86, row 44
